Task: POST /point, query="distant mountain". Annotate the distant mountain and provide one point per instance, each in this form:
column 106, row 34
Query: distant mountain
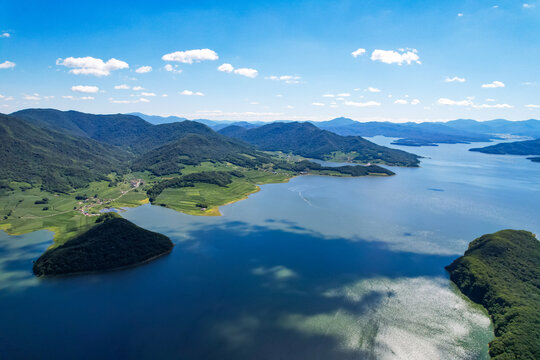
column 529, row 127
column 528, row 147
column 307, row 140
column 156, row 120
column 53, row 160
column 193, row 149
column 126, row 131
column 411, row 134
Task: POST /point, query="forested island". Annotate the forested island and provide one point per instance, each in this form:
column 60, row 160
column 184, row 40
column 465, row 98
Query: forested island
column 527, row 147
column 501, row 271
column 113, row 243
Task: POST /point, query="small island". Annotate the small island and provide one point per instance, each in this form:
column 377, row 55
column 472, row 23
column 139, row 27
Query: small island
column 501, row 271
column 112, row 244
column 527, row 147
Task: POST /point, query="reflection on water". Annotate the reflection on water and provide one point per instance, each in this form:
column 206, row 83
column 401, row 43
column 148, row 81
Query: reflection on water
column 317, row 268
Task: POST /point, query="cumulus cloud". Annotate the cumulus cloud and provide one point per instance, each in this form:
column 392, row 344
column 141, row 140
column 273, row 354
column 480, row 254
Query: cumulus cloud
column 454, row 79
column 191, row 56
column 358, row 52
column 143, row 69
column 148, row 94
column 395, row 57
column 85, row 89
column 494, row 84
column 329, row 95
column 495, row 106
column 92, row 66
column 144, row 100
column 288, row 79
column 7, row 65
column 87, row 98
column 317, row 104
column 122, row 87
column 343, row 95
column 33, row 97
column 250, row 73
column 362, row 104
column 415, row 102
column 228, row 68
column 530, row 106
column 373, row 89
column 138, row 88
column 174, row 69
column 190, row 93
column 401, row 102
column 5, row 35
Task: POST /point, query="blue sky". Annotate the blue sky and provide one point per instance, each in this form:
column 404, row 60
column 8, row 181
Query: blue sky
column 413, row 60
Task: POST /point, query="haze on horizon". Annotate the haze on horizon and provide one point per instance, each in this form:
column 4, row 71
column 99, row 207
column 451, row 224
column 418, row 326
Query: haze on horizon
column 385, row 61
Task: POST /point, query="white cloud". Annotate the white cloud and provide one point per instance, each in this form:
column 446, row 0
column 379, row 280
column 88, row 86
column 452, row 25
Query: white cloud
column 469, row 102
column 290, row 107
column 415, row 102
column 122, row 87
column 92, row 66
column 138, row 88
column 68, row 97
column 33, row 97
column 164, row 95
column 491, row 100
column 329, row 95
column 190, row 93
column 373, row 90
column 460, row 14
column 85, row 89
column 5, row 35
column 528, row 6
column 530, row 106
column 7, row 64
column 143, row 70
column 495, row 84
column 317, row 104
column 148, row 94
column 228, row 68
column 87, row 98
column 120, row 101
column 394, row 57
column 454, row 79
column 358, row 52
column 288, row 79
column 191, row 56
column 401, row 102
column 254, row 103
column 174, row 69
column 144, row 100
column 343, row 95
column 364, row 104
column 446, row 101
column 250, row 73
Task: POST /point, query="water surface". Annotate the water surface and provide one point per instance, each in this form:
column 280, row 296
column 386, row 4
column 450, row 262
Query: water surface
column 317, row 268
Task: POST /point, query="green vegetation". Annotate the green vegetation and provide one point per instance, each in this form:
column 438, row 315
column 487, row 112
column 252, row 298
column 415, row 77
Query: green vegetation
column 307, row 140
column 51, row 160
column 528, row 147
column 501, row 271
column 114, row 243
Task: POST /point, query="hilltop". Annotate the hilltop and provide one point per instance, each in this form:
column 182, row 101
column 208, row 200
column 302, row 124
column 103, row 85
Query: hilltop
column 527, row 147
column 307, row 140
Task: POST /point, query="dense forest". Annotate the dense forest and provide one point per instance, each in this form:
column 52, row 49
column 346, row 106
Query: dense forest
column 501, row 271
column 112, row 244
column 54, row 161
column 307, row 140
column 527, row 147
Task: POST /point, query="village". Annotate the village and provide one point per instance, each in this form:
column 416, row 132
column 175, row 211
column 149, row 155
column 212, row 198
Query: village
column 88, row 204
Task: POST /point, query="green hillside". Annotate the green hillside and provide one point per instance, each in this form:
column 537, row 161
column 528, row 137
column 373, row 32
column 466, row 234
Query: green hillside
column 528, row 147
column 52, row 160
column 305, row 139
column 501, row 271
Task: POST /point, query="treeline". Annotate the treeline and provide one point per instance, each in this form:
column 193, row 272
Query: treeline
column 501, row 271
column 219, row 178
column 353, row 170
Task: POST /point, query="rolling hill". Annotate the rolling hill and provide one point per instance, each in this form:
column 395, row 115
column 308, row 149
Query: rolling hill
column 53, row 160
column 305, row 139
column 527, row 147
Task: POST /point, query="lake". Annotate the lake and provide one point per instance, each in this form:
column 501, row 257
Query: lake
column 317, row 268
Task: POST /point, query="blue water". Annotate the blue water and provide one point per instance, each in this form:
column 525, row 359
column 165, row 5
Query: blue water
column 317, row 268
